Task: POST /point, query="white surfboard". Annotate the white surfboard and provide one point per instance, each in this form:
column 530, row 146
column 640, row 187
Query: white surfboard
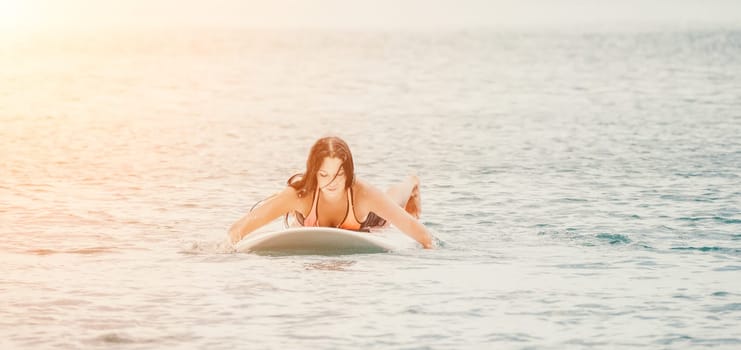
column 325, row 240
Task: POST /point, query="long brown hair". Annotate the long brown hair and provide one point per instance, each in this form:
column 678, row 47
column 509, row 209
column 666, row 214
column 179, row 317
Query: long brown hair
column 333, row 147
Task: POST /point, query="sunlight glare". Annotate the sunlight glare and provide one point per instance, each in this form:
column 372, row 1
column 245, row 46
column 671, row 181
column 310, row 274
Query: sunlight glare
column 14, row 14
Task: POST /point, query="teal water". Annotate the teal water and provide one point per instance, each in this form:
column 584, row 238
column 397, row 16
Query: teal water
column 584, row 188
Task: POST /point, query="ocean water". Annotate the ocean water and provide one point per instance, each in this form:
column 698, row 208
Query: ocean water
column 584, row 188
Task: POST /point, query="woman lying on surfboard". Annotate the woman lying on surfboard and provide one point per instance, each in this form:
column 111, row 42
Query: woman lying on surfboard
column 328, row 194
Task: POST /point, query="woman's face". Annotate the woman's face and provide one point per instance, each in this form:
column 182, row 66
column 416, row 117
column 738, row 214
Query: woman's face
column 325, row 177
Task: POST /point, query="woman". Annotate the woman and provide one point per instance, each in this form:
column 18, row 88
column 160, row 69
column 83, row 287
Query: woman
column 328, row 194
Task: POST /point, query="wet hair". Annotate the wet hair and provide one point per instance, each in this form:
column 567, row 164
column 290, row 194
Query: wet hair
column 333, row 147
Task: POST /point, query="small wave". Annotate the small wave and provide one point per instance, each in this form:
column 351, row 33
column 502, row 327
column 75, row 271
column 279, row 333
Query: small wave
column 84, row 251
column 207, row 247
column 332, row 265
column 568, row 233
column 726, row 220
column 615, row 238
column 728, row 308
column 728, row 268
column 710, row 249
column 720, row 219
column 674, row 338
column 584, row 266
column 684, row 198
column 116, row 338
column 642, row 245
column 122, row 338
column 590, row 240
column 570, row 199
column 511, row 337
column 679, row 338
column 693, row 218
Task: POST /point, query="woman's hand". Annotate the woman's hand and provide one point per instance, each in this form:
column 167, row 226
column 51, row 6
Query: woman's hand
column 234, row 235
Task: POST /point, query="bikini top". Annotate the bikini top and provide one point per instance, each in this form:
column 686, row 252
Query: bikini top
column 348, row 223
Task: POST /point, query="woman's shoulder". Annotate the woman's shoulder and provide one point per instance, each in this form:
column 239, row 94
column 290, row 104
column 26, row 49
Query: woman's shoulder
column 289, row 193
column 362, row 189
column 300, row 200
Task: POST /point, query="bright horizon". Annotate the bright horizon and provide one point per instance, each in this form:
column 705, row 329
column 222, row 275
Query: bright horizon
column 47, row 14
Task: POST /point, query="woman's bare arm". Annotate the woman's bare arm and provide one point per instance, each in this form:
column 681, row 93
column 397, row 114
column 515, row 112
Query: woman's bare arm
column 385, row 207
column 273, row 207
